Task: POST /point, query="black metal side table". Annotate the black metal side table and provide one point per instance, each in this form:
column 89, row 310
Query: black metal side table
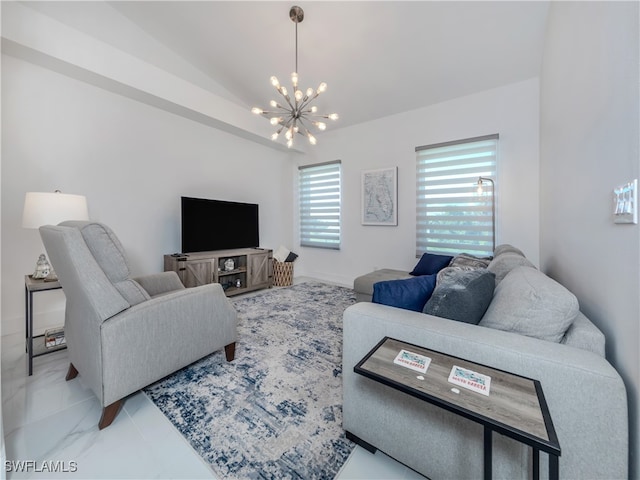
column 516, row 407
column 35, row 347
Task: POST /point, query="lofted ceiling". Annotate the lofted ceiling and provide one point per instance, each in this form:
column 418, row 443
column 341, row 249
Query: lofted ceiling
column 378, row 58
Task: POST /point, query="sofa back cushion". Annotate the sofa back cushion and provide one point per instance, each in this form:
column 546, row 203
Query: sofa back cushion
column 530, row 303
column 506, row 261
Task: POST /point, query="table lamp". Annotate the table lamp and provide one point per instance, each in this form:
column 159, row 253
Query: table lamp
column 46, row 208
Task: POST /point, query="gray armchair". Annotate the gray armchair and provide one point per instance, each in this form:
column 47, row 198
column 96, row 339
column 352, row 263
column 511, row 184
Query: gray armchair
column 122, row 333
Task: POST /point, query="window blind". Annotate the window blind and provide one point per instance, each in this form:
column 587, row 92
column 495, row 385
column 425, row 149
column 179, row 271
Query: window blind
column 319, row 194
column 451, row 216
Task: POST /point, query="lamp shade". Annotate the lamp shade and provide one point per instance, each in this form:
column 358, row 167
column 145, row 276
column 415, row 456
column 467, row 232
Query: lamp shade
column 45, row 208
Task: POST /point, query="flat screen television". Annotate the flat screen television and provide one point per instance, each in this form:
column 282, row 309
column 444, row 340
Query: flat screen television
column 218, row 225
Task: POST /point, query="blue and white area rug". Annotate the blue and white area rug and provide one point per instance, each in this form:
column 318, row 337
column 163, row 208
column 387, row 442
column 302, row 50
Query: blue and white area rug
column 276, row 410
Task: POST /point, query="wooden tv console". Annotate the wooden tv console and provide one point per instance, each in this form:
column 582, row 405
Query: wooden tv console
column 250, row 268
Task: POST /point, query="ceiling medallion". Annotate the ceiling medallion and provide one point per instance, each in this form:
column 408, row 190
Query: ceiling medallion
column 297, row 114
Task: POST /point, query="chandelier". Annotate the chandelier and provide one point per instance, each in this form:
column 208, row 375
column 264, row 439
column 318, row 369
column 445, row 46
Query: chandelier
column 297, row 114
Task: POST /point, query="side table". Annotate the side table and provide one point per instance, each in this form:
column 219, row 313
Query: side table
column 515, row 407
column 37, row 348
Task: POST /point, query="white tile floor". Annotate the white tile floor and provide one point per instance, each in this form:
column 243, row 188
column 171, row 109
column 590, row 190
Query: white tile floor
column 47, row 419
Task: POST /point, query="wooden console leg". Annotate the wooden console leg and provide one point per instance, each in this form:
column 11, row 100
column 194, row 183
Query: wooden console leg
column 109, row 414
column 230, row 351
column 71, row 373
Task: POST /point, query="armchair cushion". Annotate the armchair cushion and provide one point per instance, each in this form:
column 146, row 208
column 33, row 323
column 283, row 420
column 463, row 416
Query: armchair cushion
column 160, row 283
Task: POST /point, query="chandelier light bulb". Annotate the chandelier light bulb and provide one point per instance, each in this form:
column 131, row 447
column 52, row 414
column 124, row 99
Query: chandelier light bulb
column 293, row 115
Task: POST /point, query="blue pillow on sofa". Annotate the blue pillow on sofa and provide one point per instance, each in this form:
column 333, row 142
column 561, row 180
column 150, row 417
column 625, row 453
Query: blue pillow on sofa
column 408, row 293
column 431, row 263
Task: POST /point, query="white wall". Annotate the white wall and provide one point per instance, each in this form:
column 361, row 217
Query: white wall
column 132, row 161
column 590, row 143
column 511, row 111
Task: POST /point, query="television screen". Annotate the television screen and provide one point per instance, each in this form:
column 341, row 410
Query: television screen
column 218, row 225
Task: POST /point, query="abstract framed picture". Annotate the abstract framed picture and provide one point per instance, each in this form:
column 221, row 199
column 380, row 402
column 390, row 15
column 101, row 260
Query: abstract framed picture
column 380, row 196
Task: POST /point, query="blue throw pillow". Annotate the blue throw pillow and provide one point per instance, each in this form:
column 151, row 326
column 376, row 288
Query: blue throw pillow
column 409, row 293
column 431, row 263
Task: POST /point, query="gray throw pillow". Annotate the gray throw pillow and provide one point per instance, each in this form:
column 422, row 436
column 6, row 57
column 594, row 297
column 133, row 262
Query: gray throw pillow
column 463, row 295
column 530, row 303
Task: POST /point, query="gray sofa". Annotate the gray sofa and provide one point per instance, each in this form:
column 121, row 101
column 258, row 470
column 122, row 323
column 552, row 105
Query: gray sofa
column 586, row 396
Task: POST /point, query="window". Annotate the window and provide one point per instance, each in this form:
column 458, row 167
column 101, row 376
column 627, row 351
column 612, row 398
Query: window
column 319, row 193
column 451, row 215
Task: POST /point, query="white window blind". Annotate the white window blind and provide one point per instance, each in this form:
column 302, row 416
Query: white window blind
column 452, row 217
column 319, row 192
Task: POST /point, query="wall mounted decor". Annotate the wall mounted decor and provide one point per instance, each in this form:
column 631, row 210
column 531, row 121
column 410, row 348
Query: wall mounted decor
column 380, row 196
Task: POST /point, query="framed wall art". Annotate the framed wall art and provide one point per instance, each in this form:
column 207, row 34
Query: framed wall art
column 380, row 196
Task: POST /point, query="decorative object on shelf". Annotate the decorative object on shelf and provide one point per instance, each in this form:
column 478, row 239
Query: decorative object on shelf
column 238, row 283
column 292, row 116
column 51, row 208
column 43, row 268
column 480, row 191
column 229, row 264
column 380, row 197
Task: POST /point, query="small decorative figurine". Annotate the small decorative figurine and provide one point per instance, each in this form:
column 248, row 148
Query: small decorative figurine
column 229, row 264
column 238, row 283
column 42, row 267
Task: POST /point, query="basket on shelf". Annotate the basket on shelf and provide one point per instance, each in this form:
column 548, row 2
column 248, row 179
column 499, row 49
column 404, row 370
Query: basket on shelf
column 282, row 273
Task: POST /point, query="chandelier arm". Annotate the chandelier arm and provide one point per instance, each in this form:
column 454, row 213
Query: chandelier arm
column 304, row 127
column 286, row 97
column 309, row 100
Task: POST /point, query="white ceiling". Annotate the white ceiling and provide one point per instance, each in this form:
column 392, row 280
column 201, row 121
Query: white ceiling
column 378, row 58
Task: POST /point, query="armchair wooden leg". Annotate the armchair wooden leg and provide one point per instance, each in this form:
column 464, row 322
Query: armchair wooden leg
column 230, row 351
column 71, row 373
column 109, row 414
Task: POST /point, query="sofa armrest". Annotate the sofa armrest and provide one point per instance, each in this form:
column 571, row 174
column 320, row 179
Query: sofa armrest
column 162, row 335
column 160, row 283
column 586, row 396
